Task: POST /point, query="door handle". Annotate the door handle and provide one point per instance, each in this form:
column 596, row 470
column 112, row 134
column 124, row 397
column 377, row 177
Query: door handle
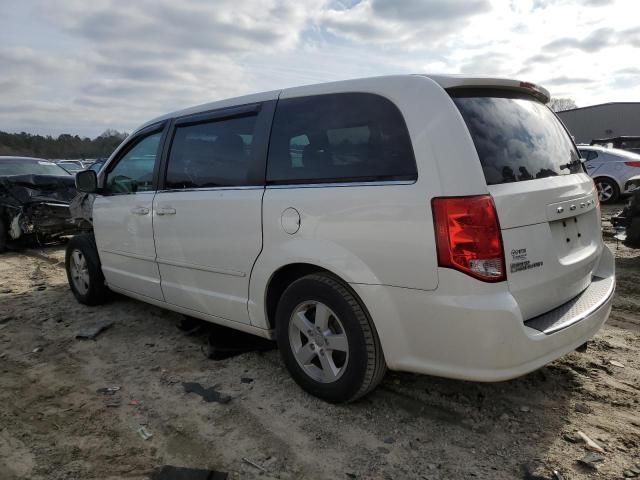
column 140, row 210
column 166, row 211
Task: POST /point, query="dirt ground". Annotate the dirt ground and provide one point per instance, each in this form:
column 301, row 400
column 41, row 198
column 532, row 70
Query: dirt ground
column 55, row 425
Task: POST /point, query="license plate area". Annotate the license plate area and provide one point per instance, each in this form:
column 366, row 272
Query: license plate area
column 573, row 236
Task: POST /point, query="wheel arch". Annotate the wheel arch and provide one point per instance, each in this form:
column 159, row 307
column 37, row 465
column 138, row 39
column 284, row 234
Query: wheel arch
column 285, row 276
column 609, row 177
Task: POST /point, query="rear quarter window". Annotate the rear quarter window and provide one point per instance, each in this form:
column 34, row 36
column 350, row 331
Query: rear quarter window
column 517, row 137
column 339, row 138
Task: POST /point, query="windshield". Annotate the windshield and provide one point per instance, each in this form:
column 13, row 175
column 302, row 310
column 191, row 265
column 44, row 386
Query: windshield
column 517, row 138
column 71, row 167
column 27, row 166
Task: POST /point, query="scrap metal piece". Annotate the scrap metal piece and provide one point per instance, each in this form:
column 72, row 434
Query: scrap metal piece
column 254, row 464
column 90, row 332
column 144, row 433
column 208, row 394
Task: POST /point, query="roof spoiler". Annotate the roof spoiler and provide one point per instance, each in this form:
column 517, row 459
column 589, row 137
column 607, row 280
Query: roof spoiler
column 450, row 82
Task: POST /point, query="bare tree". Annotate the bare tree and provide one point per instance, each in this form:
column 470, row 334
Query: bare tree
column 561, row 104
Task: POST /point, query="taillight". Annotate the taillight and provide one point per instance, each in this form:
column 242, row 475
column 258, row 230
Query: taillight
column 468, row 236
column 633, row 163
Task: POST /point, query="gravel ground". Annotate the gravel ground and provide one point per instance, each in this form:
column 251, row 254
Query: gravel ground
column 54, row 424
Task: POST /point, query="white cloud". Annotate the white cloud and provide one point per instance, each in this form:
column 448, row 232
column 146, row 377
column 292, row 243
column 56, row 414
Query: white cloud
column 80, row 67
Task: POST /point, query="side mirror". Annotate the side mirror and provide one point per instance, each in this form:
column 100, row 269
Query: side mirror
column 87, row 181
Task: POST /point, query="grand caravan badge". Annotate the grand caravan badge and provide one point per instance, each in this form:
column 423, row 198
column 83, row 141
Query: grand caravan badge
column 520, row 261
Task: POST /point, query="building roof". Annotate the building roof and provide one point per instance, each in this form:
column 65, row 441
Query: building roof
column 600, row 105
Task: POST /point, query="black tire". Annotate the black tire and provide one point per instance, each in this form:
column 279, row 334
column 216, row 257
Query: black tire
column 365, row 365
column 97, row 292
column 3, row 236
column 610, row 185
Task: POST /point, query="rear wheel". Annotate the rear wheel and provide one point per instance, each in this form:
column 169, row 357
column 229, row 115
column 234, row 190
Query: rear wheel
column 327, row 340
column 608, row 190
column 84, row 273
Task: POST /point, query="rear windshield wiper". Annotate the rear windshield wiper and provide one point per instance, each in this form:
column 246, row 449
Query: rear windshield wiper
column 569, row 166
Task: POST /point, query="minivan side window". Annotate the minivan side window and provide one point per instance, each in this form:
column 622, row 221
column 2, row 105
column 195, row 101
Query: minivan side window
column 343, row 137
column 215, row 153
column 134, row 171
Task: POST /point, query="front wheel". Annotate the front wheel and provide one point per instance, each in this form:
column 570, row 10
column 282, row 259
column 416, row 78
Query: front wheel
column 84, row 273
column 608, row 190
column 327, row 340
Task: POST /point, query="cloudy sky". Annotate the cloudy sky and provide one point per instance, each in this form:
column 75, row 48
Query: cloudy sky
column 81, row 66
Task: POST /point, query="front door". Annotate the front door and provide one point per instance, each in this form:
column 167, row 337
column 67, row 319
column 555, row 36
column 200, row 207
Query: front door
column 207, row 218
column 122, row 217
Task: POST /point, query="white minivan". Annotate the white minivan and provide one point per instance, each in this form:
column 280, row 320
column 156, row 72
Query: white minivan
column 434, row 224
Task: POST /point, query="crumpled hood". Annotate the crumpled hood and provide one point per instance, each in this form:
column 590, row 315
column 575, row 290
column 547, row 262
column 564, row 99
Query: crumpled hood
column 23, row 189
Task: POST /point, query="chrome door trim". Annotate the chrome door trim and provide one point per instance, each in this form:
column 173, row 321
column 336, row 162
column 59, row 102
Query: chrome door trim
column 129, row 255
column 341, row 184
column 212, row 189
column 203, row 268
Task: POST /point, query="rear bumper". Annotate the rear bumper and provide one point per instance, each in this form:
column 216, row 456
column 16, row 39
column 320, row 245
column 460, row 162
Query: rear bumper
column 479, row 336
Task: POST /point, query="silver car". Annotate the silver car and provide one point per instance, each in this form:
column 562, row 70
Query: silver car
column 611, row 170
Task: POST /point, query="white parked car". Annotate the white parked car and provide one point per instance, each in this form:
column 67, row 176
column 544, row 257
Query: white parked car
column 431, row 224
column 611, row 169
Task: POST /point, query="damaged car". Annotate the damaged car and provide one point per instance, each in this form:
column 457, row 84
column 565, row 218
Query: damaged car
column 34, row 201
column 627, row 222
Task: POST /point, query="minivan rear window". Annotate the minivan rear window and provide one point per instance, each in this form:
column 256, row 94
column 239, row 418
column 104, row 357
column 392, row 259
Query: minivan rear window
column 342, row 137
column 517, row 137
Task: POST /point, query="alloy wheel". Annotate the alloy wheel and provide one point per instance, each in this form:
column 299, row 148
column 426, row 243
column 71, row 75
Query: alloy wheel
column 79, row 272
column 318, row 341
column 605, row 191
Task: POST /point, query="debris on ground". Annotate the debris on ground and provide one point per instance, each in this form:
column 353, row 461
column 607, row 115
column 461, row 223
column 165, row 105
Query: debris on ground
column 572, row 437
column 209, row 395
column 37, row 350
column 557, row 475
column 615, row 363
column 583, row 408
column 254, row 464
column 535, row 470
column 592, row 460
column 169, row 472
column 590, row 444
column 54, row 425
column 226, row 342
column 144, row 433
column 108, row 390
column 91, row 331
